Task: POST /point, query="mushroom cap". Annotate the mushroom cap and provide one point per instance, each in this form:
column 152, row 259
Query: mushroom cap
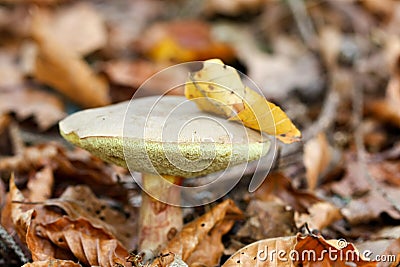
column 167, row 135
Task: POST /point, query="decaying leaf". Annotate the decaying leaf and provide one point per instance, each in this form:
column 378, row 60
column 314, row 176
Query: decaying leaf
column 308, row 250
column 52, row 263
column 63, row 69
column 79, row 201
column 47, row 109
column 218, row 88
column 91, row 245
column 190, row 240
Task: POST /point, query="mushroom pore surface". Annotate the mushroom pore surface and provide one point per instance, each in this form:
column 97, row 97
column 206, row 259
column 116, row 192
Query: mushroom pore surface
column 168, row 135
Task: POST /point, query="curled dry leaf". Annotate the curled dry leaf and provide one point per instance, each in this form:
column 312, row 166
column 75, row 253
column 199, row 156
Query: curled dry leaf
column 60, row 67
column 308, row 250
column 47, row 109
column 20, row 215
column 52, row 263
column 79, row 201
column 190, row 240
column 90, row 245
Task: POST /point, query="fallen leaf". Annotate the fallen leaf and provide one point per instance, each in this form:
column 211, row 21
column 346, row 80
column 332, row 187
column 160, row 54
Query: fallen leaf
column 79, row 27
column 10, row 71
column 47, row 109
column 308, row 250
column 232, row 7
column 276, row 185
column 319, row 216
column 41, row 185
column 52, row 263
column 193, row 234
column 90, row 245
column 20, row 215
column 392, row 250
column 267, row 219
column 218, row 88
column 80, row 202
column 317, row 156
column 60, row 67
column 182, row 41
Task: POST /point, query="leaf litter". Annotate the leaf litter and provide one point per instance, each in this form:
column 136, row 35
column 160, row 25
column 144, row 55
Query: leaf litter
column 64, row 207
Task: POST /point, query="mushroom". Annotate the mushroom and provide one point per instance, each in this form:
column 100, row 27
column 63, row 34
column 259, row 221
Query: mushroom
column 165, row 139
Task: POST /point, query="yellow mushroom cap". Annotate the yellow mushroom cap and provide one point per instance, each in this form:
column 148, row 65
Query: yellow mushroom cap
column 168, row 135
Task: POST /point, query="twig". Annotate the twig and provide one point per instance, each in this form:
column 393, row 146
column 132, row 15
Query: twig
column 303, row 21
column 7, row 243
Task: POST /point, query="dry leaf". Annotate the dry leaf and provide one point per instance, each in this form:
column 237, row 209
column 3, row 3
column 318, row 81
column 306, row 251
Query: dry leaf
column 47, row 109
column 296, row 251
column 233, row 7
column 41, row 185
column 317, row 156
column 392, row 249
column 80, row 202
column 79, row 27
column 276, row 185
column 267, row 219
column 60, row 67
column 52, row 263
column 218, row 88
column 188, row 241
column 20, row 215
column 320, row 215
column 182, row 41
column 90, row 245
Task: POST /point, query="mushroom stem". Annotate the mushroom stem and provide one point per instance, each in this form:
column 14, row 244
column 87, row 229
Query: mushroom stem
column 158, row 221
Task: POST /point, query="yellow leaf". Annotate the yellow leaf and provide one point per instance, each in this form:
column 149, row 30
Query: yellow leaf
column 218, row 89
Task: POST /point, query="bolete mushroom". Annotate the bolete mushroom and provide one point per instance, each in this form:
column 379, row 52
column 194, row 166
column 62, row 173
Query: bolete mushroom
column 166, row 137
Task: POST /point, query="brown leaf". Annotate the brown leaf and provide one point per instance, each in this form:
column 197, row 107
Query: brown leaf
column 189, row 240
column 80, row 202
column 267, row 219
column 52, row 263
column 10, row 72
column 47, row 109
column 320, row 215
column 79, row 27
column 41, row 185
column 309, row 250
column 20, row 215
column 60, row 67
column 277, row 185
column 317, row 156
column 233, row 7
column 90, row 245
column 392, row 249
